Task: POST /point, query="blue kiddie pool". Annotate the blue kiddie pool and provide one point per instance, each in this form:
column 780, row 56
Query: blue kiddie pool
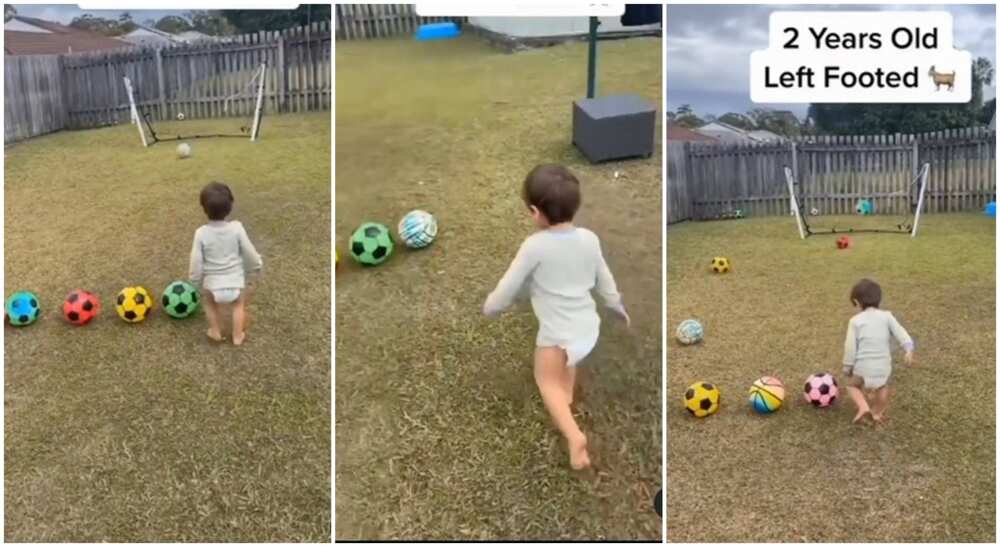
column 991, row 209
column 437, row 31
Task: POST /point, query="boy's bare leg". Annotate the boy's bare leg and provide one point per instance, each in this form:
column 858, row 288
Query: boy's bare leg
column 239, row 320
column 212, row 314
column 569, row 382
column 858, row 396
column 881, row 404
column 550, row 375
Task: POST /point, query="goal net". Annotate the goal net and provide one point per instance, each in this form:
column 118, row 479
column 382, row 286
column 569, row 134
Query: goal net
column 150, row 133
column 804, row 212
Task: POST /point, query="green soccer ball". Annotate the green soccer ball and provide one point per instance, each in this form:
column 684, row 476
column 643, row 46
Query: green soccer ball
column 180, row 299
column 371, row 244
column 22, row 308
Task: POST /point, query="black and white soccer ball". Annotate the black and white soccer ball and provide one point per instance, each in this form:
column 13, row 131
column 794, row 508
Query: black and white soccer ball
column 180, row 116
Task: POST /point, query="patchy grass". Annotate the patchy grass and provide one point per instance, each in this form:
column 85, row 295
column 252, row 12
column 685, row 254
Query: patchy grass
column 809, row 475
column 440, row 430
column 148, row 432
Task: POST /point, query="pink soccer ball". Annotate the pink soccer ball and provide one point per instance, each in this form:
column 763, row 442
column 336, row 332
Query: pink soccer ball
column 821, row 389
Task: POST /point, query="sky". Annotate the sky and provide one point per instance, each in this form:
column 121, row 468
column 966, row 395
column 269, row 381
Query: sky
column 65, row 13
column 709, row 46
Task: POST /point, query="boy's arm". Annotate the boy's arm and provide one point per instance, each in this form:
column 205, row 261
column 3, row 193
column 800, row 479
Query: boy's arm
column 607, row 287
column 251, row 259
column 197, row 259
column 850, row 348
column 510, row 284
column 901, row 336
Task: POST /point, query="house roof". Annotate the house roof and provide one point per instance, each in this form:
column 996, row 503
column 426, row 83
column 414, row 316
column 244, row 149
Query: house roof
column 58, row 39
column 679, row 133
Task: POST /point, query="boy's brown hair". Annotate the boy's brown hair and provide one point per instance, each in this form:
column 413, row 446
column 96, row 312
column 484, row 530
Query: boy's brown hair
column 554, row 191
column 866, row 293
column 217, row 200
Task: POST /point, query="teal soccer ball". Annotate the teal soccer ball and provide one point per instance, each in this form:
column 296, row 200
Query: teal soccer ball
column 864, row 207
column 689, row 332
column 180, row 299
column 22, row 308
column 371, row 244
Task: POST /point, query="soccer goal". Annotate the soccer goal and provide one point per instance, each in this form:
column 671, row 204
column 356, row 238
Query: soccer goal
column 904, row 224
column 249, row 128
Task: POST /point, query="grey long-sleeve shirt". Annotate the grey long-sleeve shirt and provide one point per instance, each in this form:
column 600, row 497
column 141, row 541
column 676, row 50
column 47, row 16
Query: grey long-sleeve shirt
column 559, row 267
column 221, row 255
column 867, row 347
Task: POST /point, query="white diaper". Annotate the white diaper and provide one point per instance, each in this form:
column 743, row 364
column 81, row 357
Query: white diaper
column 225, row 296
column 578, row 350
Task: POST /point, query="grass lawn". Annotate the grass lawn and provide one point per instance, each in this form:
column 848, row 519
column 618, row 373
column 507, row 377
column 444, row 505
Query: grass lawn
column 440, row 430
column 149, row 432
column 806, row 474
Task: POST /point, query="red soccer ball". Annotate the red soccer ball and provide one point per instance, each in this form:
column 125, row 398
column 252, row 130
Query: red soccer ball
column 843, row 242
column 80, row 307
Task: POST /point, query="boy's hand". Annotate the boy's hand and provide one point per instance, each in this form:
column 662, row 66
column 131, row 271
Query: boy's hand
column 908, row 358
column 623, row 315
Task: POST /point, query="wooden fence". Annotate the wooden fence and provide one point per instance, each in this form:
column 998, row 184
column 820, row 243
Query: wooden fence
column 204, row 80
column 833, row 172
column 33, row 97
column 367, row 21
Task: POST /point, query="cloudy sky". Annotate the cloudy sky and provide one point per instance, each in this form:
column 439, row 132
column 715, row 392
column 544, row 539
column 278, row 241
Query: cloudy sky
column 708, row 49
column 65, row 13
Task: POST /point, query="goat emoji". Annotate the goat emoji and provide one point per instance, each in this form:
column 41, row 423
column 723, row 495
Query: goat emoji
column 942, row 78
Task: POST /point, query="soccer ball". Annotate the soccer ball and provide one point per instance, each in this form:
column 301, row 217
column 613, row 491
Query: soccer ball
column 180, row 299
column 80, row 307
column 133, row 304
column 371, row 244
column 843, row 242
column 821, row 389
column 180, row 116
column 864, row 207
column 738, row 213
column 720, row 264
column 689, row 332
column 183, row 150
column 22, row 308
column 702, row 399
column 417, row 229
column 814, row 211
column 766, row 394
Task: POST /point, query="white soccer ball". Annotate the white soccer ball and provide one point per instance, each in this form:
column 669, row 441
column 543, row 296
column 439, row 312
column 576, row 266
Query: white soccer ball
column 183, row 150
column 417, row 229
column 814, row 211
column 180, row 116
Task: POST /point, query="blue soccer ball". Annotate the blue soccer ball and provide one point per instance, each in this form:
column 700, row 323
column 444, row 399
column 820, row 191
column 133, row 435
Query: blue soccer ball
column 864, row 207
column 991, row 209
column 22, row 308
column 689, row 332
column 418, row 229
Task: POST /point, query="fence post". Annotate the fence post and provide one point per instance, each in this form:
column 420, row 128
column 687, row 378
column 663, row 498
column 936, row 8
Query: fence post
column 282, row 74
column 160, row 83
column 916, row 158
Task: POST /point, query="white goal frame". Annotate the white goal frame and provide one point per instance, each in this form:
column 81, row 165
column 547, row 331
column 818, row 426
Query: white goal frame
column 803, row 224
column 142, row 120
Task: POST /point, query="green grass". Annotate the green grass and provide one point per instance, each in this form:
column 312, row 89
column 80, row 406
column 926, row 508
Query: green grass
column 809, row 475
column 440, row 430
column 148, row 432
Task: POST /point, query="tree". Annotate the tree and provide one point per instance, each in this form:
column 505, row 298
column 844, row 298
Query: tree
column 257, row 20
column 101, row 25
column 876, row 119
column 685, row 117
column 173, row 24
column 8, row 12
column 210, row 22
column 781, row 122
column 736, row 120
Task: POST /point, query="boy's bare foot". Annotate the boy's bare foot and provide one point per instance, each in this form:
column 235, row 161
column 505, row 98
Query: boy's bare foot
column 238, row 339
column 880, row 419
column 861, row 415
column 214, row 334
column 578, row 457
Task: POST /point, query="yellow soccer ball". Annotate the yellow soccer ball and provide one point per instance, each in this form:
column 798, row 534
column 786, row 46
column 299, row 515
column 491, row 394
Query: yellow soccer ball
column 133, row 304
column 720, row 264
column 702, row 399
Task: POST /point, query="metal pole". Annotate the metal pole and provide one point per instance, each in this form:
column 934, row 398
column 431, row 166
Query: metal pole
column 592, row 58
